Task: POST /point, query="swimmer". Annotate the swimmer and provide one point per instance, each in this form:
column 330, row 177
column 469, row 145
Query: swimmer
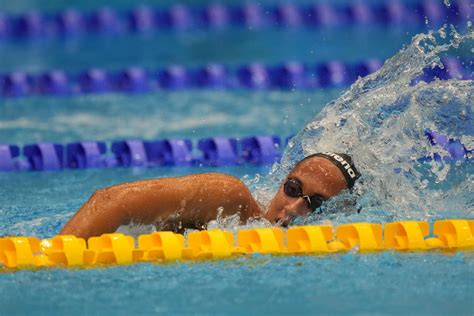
column 194, row 200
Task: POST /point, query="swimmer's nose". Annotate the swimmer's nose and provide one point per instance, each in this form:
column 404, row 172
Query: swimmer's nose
column 291, row 211
column 297, row 207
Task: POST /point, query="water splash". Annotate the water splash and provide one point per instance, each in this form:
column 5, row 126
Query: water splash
column 381, row 121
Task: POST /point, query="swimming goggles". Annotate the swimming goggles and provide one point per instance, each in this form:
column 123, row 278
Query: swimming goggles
column 293, row 188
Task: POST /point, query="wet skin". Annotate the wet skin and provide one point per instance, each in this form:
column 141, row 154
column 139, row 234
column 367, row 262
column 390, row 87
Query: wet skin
column 318, row 176
column 192, row 201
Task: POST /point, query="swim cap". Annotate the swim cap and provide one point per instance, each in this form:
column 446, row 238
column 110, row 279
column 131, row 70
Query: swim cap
column 343, row 162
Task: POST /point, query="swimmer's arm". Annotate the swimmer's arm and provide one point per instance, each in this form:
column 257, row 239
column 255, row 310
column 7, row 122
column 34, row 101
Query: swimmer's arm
column 187, row 201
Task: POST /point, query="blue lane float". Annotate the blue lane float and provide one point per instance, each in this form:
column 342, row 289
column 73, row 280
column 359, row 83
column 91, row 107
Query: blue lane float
column 253, row 76
column 8, row 155
column 213, row 152
column 218, row 151
column 44, row 156
column 137, row 153
column 109, row 21
column 261, row 150
column 130, row 153
column 86, row 154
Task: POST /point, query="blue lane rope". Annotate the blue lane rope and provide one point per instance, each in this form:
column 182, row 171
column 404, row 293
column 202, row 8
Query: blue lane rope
column 215, row 151
column 106, row 20
column 286, row 76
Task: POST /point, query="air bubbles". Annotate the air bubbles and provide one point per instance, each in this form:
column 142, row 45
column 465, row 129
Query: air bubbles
column 341, row 122
column 424, row 184
column 442, row 31
column 220, row 210
column 257, row 178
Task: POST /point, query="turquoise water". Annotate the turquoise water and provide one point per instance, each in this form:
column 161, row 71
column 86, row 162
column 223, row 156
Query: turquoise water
column 387, row 283
column 188, row 114
column 201, row 47
column 52, row 5
column 421, row 284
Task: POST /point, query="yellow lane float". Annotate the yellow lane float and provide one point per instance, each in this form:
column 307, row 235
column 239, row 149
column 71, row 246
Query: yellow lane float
column 70, row 251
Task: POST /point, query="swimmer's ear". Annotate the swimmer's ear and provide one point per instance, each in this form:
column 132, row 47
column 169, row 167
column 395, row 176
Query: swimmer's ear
column 351, row 163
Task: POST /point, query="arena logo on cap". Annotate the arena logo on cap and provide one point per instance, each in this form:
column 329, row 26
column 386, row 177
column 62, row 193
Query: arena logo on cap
column 343, row 162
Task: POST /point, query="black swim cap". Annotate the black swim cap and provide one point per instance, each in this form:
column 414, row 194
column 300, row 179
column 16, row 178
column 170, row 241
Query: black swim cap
column 343, row 162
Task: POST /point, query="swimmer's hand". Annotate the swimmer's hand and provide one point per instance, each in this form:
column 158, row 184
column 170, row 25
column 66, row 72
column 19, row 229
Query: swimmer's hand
column 169, row 203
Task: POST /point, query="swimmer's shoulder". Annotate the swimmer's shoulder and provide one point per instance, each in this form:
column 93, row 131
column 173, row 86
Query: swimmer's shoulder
column 214, row 178
column 217, row 182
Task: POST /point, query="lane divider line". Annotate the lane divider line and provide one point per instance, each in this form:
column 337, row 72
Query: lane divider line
column 116, row 249
column 72, row 23
column 287, row 76
column 259, row 150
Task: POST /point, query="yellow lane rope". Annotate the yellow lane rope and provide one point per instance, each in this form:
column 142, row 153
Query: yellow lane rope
column 70, row 251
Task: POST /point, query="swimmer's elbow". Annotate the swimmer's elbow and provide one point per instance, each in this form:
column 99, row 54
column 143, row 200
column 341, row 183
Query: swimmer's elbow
column 102, row 213
column 96, row 195
column 103, row 194
column 106, row 198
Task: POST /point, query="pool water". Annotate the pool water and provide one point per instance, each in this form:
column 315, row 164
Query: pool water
column 389, row 283
column 199, row 47
column 38, row 204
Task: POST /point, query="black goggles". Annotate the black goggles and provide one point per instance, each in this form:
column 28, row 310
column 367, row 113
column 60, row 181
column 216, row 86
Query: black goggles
column 293, row 188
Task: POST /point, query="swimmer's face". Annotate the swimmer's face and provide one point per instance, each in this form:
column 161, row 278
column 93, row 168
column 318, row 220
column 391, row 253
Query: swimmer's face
column 317, row 176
